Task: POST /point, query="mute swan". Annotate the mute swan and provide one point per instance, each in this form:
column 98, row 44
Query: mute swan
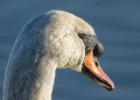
column 57, row 39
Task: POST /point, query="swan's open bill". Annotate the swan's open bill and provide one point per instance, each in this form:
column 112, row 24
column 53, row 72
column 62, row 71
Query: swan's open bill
column 93, row 70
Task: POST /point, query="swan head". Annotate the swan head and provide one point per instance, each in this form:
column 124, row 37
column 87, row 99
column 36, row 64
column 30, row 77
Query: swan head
column 90, row 66
column 79, row 49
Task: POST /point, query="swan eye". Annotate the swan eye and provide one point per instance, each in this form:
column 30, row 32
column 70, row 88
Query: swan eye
column 81, row 35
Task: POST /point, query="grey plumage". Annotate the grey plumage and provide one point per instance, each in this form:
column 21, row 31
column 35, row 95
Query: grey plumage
column 92, row 44
column 23, row 67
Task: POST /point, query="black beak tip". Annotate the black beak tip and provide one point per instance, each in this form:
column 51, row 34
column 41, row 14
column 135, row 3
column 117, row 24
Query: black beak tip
column 109, row 89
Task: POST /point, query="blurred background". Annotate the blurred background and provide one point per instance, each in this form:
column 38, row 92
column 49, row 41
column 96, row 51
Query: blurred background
column 117, row 25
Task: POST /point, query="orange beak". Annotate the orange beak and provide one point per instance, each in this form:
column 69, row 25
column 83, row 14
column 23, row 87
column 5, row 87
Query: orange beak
column 93, row 70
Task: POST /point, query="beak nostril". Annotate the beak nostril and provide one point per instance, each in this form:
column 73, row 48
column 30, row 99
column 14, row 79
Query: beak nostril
column 96, row 63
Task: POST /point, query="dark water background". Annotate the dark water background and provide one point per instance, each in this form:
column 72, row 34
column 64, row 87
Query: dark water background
column 117, row 24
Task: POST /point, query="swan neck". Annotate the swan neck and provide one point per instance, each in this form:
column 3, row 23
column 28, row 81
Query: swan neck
column 46, row 81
